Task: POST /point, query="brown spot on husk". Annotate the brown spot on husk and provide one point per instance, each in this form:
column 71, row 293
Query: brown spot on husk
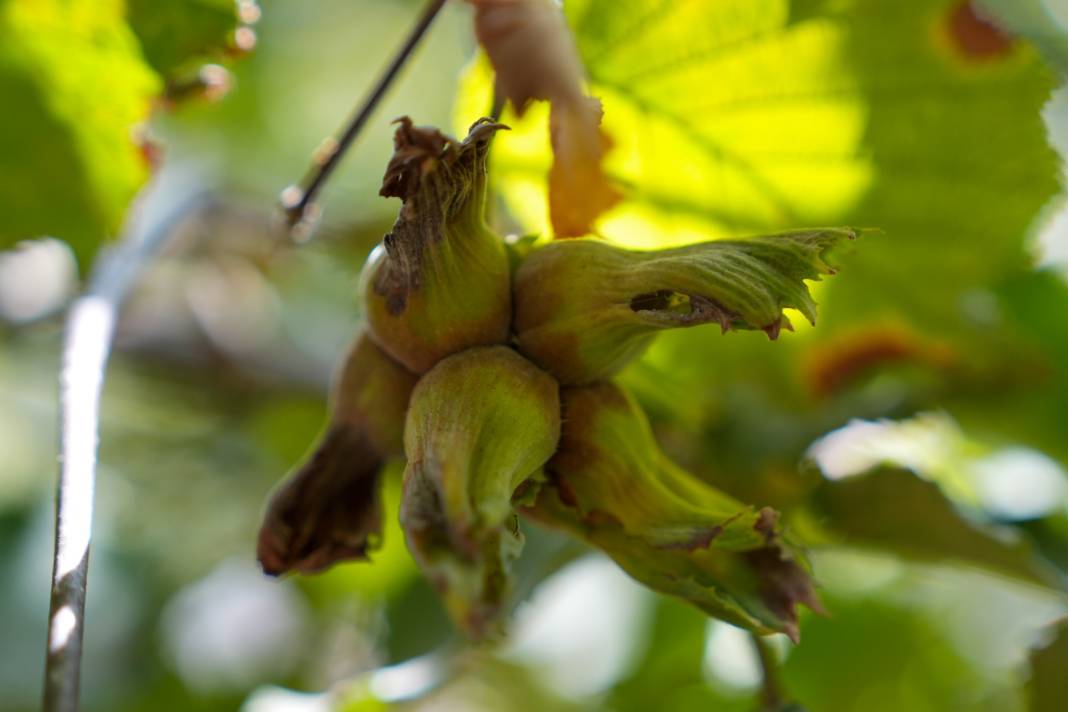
column 526, row 488
column 423, row 519
column 599, row 518
column 707, row 310
column 701, row 539
column 683, row 309
column 563, row 490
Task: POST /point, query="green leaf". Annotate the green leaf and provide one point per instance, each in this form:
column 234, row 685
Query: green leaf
column 1034, row 314
column 743, row 116
column 69, row 158
column 897, row 511
column 178, row 33
column 1048, row 686
column 878, row 656
column 962, row 170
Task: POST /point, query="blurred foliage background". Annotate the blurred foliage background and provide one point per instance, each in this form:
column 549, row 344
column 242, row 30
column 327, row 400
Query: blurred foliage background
column 915, row 439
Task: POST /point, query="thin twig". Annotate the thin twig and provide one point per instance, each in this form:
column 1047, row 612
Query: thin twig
column 87, row 346
column 771, row 696
column 297, row 199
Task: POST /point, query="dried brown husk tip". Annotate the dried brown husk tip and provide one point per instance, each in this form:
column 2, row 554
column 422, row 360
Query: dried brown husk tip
column 440, row 281
column 328, row 510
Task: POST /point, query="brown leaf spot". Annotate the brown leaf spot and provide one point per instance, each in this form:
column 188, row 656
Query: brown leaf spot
column 974, row 37
column 837, row 364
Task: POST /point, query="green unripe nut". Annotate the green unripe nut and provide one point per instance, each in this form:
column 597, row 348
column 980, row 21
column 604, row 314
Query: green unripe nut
column 610, row 484
column 585, row 308
column 440, row 281
column 480, row 423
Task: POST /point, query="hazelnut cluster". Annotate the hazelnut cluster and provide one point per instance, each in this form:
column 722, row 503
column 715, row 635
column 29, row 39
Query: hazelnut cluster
column 489, row 368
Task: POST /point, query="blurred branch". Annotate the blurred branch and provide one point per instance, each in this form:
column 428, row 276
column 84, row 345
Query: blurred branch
column 297, row 199
column 87, row 346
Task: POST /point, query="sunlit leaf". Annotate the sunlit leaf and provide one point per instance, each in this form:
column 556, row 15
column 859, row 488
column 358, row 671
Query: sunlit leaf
column 740, row 117
column 75, row 87
column 743, row 117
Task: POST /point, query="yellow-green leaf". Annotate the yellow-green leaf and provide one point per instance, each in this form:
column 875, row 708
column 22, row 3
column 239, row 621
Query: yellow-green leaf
column 178, row 32
column 75, row 87
column 747, row 116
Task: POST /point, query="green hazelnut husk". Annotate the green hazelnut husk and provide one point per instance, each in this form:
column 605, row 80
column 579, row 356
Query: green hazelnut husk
column 440, row 281
column 610, row 484
column 480, row 424
column 328, row 510
column 585, row 308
